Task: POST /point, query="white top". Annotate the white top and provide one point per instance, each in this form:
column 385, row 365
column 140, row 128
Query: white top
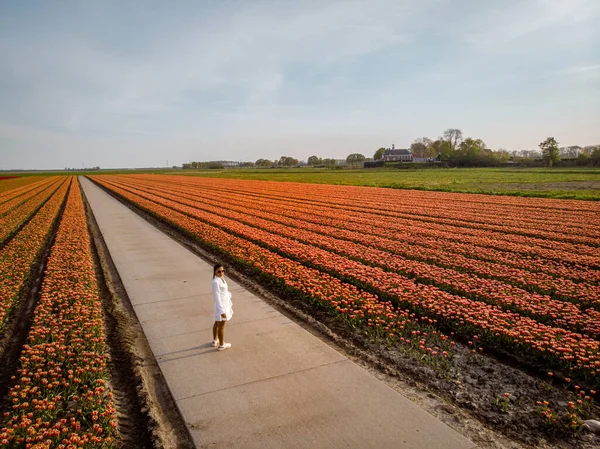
column 222, row 299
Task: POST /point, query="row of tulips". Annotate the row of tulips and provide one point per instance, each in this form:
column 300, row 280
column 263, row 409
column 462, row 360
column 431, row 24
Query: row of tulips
column 571, row 351
column 12, row 221
column 551, row 215
column 369, row 234
column 557, row 245
column 19, row 257
column 60, row 396
column 541, row 308
column 9, row 186
column 21, row 195
column 449, row 210
column 359, row 308
column 415, row 225
column 408, row 232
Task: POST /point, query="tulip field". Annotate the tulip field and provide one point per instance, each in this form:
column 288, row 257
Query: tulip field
column 58, row 396
column 412, row 270
column 519, row 275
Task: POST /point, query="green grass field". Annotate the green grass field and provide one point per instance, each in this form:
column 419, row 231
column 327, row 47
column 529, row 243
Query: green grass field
column 564, row 183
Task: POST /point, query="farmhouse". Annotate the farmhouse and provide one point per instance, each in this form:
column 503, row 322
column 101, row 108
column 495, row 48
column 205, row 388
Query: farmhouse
column 394, row 155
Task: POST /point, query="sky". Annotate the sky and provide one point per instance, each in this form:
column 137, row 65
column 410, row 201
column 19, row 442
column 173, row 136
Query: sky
column 150, row 83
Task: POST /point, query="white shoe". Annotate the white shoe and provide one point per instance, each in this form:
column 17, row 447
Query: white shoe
column 223, row 347
column 215, row 343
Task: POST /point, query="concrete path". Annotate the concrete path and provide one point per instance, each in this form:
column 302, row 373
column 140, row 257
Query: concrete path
column 278, row 386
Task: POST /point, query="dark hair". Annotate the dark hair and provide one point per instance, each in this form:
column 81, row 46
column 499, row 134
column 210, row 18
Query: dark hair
column 215, row 268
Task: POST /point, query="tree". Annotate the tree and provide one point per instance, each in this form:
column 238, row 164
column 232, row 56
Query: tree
column 379, row 154
column 570, row 152
column 435, row 147
column 526, row 158
column 355, row 159
column 287, row 161
column 502, row 156
column 453, row 136
column 420, row 147
column 595, row 156
column 531, row 154
column 468, row 152
column 444, row 148
column 329, row 163
column 314, row 160
column 264, row 163
column 472, row 147
column 550, row 151
column 583, row 159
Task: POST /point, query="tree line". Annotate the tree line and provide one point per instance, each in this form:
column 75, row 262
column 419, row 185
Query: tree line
column 456, row 151
column 451, row 149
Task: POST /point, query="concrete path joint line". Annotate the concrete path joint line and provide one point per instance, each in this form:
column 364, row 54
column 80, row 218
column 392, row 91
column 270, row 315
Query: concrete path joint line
column 266, row 379
column 171, row 299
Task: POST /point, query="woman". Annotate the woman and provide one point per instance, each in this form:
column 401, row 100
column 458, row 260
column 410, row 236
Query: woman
column 223, row 307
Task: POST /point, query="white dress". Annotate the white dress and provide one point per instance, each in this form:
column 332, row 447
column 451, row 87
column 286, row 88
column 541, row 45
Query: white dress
column 222, row 299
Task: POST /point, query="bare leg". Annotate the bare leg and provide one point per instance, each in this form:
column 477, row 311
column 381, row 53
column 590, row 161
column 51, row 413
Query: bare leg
column 215, row 327
column 221, row 332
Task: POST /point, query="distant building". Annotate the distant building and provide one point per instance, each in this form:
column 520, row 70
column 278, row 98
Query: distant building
column 394, row 155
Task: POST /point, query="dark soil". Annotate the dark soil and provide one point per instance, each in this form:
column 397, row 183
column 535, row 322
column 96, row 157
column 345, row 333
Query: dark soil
column 463, row 398
column 147, row 414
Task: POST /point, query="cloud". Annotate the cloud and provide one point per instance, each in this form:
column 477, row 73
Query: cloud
column 501, row 25
column 84, row 82
column 25, row 133
column 576, row 70
column 140, row 75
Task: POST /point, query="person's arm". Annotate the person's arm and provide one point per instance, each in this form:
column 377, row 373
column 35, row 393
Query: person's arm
column 218, row 298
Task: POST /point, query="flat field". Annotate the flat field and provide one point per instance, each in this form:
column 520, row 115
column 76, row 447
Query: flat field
column 491, row 301
column 432, row 281
column 563, row 183
column 472, row 249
